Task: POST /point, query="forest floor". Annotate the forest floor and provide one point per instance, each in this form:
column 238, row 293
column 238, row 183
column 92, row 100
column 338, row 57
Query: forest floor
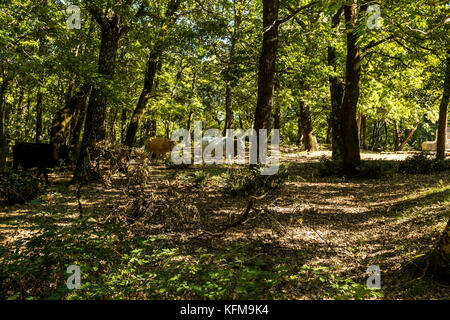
column 310, row 237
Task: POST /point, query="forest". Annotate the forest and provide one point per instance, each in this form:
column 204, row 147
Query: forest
column 125, row 173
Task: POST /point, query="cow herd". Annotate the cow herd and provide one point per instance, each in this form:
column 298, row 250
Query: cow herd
column 47, row 156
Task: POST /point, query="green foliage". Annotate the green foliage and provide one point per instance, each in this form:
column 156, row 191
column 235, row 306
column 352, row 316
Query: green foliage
column 198, row 177
column 422, row 163
column 328, row 167
column 368, row 169
column 249, row 180
column 18, row 187
column 116, row 267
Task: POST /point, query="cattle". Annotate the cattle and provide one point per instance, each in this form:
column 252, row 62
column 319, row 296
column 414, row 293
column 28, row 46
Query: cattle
column 215, row 142
column 159, row 146
column 429, row 146
column 40, row 155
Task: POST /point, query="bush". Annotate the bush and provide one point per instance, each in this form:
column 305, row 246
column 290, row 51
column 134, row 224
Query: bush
column 421, row 163
column 247, row 180
column 368, row 169
column 329, row 167
column 198, row 178
column 18, row 187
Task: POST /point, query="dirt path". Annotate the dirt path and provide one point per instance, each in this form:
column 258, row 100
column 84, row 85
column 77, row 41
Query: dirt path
column 349, row 225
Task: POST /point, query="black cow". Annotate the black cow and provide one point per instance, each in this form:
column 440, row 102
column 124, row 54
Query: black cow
column 40, row 155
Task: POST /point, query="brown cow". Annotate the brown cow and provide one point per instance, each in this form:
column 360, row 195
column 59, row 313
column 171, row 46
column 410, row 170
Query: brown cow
column 159, row 146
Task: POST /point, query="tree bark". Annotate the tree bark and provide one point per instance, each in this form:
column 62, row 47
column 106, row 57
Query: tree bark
column 408, row 137
column 364, row 132
column 63, row 122
column 38, row 136
column 229, row 77
column 443, row 113
column 152, row 67
column 349, row 130
column 309, row 140
column 3, row 142
column 266, row 69
column 336, row 93
column 94, row 128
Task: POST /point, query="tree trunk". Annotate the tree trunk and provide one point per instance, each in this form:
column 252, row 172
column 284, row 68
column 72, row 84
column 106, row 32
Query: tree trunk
column 443, row 113
column 152, row 67
column 336, row 93
column 191, row 111
column 266, row 69
column 364, row 131
column 309, row 140
column 229, row 77
column 358, row 124
column 62, row 124
column 329, row 124
column 351, row 152
column 228, row 108
column 94, row 128
column 3, row 142
column 408, row 137
column 75, row 133
column 396, row 136
column 38, row 136
column 299, row 127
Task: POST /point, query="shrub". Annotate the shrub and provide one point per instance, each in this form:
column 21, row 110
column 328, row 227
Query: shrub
column 247, row 180
column 328, row 167
column 367, row 169
column 198, row 178
column 421, row 163
column 18, row 187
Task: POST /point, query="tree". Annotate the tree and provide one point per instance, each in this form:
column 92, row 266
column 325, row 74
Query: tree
column 153, row 63
column 112, row 29
column 443, row 113
column 349, row 131
column 266, row 69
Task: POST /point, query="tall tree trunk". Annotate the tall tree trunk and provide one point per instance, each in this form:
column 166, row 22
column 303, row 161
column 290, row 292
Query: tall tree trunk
column 228, row 108
column 329, row 124
column 152, row 67
column 266, row 69
column 63, row 121
column 75, row 133
column 309, row 140
column 396, row 136
column 94, row 128
column 443, row 113
column 38, row 136
column 3, row 142
column 358, row 125
column 229, row 77
column 350, row 143
column 277, row 116
column 191, row 111
column 299, row 129
column 408, row 137
column 364, row 132
column 336, row 92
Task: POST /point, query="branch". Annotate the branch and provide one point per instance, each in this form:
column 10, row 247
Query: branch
column 373, row 44
column 294, row 12
column 391, row 57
